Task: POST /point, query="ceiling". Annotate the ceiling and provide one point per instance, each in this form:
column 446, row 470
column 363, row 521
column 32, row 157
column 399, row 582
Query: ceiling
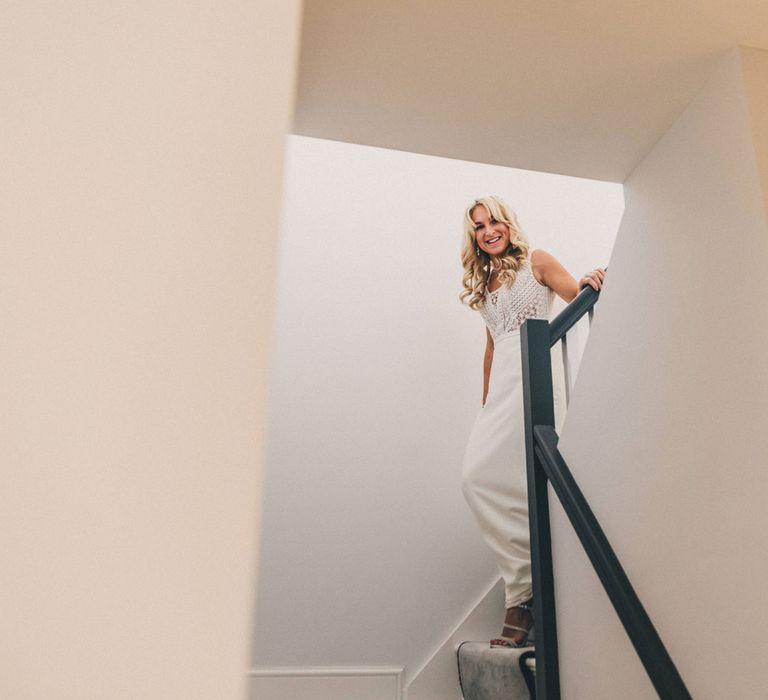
column 579, row 87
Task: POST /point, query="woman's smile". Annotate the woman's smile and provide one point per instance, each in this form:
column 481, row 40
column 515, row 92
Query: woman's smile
column 491, row 236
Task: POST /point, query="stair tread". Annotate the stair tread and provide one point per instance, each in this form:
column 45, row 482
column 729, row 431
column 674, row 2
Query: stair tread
column 491, row 674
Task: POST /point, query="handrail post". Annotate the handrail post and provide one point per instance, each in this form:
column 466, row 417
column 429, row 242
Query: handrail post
column 538, row 404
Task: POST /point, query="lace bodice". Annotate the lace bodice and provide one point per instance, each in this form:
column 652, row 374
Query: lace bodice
column 505, row 310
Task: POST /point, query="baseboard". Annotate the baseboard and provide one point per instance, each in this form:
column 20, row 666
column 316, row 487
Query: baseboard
column 327, row 683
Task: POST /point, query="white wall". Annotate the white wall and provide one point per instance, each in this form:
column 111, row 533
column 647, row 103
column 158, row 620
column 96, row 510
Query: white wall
column 438, row 679
column 666, row 432
column 142, row 146
column 370, row 555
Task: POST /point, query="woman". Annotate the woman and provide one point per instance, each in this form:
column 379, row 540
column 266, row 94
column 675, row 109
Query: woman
column 507, row 283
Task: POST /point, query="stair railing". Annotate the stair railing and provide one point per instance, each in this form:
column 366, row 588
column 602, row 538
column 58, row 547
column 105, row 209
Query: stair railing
column 545, row 465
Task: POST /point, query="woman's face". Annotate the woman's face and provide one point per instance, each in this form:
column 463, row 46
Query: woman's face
column 491, row 236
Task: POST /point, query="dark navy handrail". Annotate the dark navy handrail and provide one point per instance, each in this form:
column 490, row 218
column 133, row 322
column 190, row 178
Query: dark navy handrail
column 546, row 465
column 648, row 645
column 572, row 314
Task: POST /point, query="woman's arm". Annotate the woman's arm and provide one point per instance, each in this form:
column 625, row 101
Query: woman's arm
column 487, row 362
column 549, row 272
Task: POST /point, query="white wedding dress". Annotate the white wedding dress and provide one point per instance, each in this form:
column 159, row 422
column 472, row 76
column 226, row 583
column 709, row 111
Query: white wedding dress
column 494, row 468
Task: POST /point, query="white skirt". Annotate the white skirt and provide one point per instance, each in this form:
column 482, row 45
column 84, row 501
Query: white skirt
column 494, row 468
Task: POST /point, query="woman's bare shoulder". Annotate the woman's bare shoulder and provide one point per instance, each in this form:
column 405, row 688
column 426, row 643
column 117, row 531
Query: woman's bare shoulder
column 541, row 261
column 539, row 257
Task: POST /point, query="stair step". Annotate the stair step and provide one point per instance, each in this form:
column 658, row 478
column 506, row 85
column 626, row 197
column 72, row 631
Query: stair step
column 492, row 674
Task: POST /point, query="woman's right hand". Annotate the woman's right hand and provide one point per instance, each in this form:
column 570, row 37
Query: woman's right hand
column 594, row 279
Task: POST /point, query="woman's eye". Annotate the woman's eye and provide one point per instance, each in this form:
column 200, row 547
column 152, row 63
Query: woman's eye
column 493, row 221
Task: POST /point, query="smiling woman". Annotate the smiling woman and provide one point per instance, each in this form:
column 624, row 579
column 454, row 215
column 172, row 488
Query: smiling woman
column 507, row 283
column 491, row 233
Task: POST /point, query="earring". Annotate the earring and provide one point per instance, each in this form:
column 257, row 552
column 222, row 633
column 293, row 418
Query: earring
column 477, row 250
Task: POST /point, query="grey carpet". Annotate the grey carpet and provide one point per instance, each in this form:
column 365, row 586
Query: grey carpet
column 491, row 674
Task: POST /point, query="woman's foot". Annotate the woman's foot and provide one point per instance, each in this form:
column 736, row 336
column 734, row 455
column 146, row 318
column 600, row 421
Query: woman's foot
column 517, row 625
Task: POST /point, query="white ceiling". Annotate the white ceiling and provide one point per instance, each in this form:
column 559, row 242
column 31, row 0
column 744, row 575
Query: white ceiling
column 576, row 87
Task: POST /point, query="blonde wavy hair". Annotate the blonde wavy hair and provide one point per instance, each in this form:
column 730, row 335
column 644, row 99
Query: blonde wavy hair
column 477, row 263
